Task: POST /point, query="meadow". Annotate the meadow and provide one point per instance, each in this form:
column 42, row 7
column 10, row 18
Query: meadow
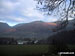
column 26, row 50
column 23, row 50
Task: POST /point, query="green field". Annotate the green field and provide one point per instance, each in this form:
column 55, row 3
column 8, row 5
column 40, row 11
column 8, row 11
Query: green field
column 22, row 50
column 26, row 50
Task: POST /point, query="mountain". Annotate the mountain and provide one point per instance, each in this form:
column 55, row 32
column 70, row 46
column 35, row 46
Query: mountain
column 66, row 37
column 36, row 29
column 71, row 25
column 35, row 26
column 4, row 27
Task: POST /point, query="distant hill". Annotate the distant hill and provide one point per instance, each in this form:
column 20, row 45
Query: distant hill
column 36, row 26
column 36, row 29
column 66, row 37
column 4, row 27
column 71, row 25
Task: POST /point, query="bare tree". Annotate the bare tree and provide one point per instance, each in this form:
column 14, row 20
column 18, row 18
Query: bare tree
column 61, row 8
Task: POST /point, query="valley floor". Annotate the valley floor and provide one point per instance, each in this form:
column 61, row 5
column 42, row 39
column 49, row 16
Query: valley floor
column 25, row 50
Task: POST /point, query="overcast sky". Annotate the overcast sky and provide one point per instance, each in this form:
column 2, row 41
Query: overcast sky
column 21, row 11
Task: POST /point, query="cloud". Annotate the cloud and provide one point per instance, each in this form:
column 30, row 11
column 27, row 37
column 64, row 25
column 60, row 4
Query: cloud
column 20, row 19
column 21, row 11
column 31, row 12
column 6, row 7
column 13, row 19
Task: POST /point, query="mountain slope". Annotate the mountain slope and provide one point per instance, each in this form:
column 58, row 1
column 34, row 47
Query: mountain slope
column 35, row 26
column 4, row 27
column 37, row 29
column 67, row 37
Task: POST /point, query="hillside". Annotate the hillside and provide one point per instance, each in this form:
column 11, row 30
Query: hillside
column 4, row 27
column 66, row 37
column 37, row 29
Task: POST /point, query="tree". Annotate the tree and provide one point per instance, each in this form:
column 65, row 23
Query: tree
column 64, row 9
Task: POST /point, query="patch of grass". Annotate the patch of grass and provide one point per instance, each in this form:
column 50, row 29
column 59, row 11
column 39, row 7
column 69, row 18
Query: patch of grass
column 21, row 50
column 26, row 50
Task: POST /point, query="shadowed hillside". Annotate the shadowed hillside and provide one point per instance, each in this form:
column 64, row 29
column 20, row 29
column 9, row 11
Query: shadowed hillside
column 4, row 27
column 67, row 37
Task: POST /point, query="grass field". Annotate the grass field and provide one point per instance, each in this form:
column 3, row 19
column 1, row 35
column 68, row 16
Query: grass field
column 22, row 50
column 26, row 50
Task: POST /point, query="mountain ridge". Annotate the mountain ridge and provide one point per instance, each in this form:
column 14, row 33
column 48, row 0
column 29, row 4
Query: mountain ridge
column 36, row 29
